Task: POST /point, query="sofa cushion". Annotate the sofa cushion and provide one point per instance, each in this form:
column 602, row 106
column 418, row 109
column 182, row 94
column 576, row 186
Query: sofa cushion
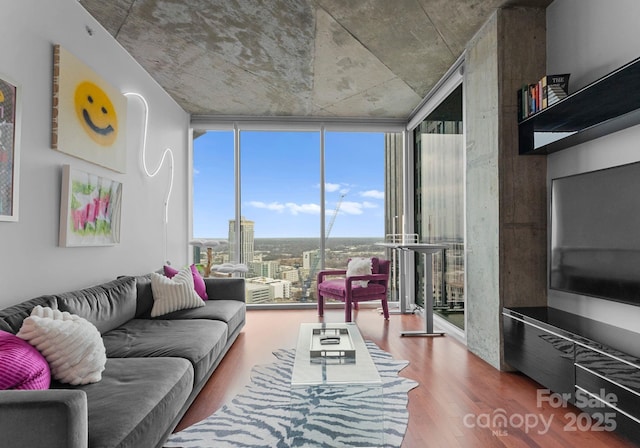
column 136, row 400
column 144, row 298
column 72, row 345
column 11, row 318
column 338, row 288
column 232, row 312
column 21, row 365
column 107, row 306
column 199, row 341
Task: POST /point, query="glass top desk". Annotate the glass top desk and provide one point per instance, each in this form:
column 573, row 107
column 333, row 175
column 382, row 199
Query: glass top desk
column 427, row 250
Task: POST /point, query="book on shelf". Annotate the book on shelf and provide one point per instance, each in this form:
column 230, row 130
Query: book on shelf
column 557, row 88
column 536, row 96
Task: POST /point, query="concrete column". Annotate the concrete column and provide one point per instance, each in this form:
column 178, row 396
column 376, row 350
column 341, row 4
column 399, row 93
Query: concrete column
column 505, row 192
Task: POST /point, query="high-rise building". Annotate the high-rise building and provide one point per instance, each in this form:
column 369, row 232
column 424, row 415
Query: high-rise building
column 310, row 259
column 291, row 275
column 393, row 190
column 246, row 241
column 264, row 268
column 257, row 293
column 439, row 204
column 278, row 289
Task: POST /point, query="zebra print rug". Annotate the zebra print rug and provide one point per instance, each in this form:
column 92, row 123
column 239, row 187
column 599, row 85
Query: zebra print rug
column 263, row 414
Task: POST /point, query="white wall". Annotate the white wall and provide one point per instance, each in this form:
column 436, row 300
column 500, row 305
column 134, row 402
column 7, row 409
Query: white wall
column 590, row 38
column 31, row 263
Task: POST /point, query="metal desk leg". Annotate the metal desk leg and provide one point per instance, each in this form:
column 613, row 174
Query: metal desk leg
column 398, row 269
column 402, row 290
column 428, row 298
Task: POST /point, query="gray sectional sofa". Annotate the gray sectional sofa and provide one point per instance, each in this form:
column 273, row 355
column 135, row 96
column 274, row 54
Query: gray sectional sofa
column 155, row 367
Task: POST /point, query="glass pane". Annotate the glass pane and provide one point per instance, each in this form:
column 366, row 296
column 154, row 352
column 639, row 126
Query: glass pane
column 394, row 205
column 213, row 192
column 354, row 196
column 280, row 191
column 439, row 204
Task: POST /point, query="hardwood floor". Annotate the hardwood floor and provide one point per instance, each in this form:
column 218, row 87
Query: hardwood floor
column 457, row 395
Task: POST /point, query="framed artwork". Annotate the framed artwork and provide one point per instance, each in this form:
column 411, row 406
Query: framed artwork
column 90, row 209
column 89, row 115
column 9, row 149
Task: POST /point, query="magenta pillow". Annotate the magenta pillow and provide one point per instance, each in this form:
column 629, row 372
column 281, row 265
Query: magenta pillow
column 21, row 365
column 198, row 281
column 169, row 271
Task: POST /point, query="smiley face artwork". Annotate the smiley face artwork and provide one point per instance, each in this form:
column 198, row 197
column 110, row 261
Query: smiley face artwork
column 96, row 113
column 89, row 117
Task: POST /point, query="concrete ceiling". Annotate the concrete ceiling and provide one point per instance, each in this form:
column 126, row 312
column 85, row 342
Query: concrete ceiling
column 309, row 58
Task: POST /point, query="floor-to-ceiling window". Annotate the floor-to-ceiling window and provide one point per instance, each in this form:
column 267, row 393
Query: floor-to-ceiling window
column 280, row 190
column 439, row 203
column 307, row 200
column 213, row 192
column 354, row 196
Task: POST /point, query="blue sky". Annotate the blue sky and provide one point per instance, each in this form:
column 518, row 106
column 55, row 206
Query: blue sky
column 281, row 185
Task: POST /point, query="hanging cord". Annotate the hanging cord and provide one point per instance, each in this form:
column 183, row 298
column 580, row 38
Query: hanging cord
column 167, row 152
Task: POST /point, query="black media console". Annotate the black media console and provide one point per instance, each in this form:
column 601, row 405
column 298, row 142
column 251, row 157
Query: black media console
column 596, row 366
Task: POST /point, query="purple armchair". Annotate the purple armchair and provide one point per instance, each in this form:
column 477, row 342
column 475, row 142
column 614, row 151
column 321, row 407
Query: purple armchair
column 344, row 290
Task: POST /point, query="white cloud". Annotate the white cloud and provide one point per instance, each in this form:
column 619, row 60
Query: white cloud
column 346, row 207
column 375, row 194
column 351, row 208
column 342, row 188
column 275, row 206
column 292, row 207
column 313, row 209
column 196, row 171
column 330, row 188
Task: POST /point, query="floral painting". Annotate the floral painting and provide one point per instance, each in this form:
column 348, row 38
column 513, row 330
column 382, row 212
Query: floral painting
column 90, row 209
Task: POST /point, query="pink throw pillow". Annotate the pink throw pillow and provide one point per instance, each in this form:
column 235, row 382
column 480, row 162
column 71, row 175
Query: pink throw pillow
column 169, row 271
column 198, row 281
column 21, row 365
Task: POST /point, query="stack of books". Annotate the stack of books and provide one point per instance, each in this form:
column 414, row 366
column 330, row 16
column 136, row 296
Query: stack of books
column 548, row 90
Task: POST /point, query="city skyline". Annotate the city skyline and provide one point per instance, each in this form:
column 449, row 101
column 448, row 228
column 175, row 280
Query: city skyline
column 280, row 188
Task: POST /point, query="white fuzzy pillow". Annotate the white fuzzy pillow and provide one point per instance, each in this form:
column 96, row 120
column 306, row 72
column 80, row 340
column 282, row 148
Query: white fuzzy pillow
column 359, row 266
column 173, row 294
column 71, row 344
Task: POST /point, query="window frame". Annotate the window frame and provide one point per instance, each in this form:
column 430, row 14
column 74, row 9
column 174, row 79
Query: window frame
column 281, row 124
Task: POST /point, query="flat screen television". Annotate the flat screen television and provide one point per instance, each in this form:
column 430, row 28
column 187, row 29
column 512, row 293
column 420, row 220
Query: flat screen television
column 595, row 234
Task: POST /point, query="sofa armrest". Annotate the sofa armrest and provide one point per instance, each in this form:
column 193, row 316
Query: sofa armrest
column 39, row 418
column 225, row 288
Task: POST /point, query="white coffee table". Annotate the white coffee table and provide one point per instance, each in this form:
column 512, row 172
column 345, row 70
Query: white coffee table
column 346, row 389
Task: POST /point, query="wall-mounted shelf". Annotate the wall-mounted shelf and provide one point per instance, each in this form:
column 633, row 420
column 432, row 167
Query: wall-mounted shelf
column 607, row 105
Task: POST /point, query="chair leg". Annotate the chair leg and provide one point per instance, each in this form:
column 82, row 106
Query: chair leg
column 320, row 305
column 347, row 310
column 385, row 309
